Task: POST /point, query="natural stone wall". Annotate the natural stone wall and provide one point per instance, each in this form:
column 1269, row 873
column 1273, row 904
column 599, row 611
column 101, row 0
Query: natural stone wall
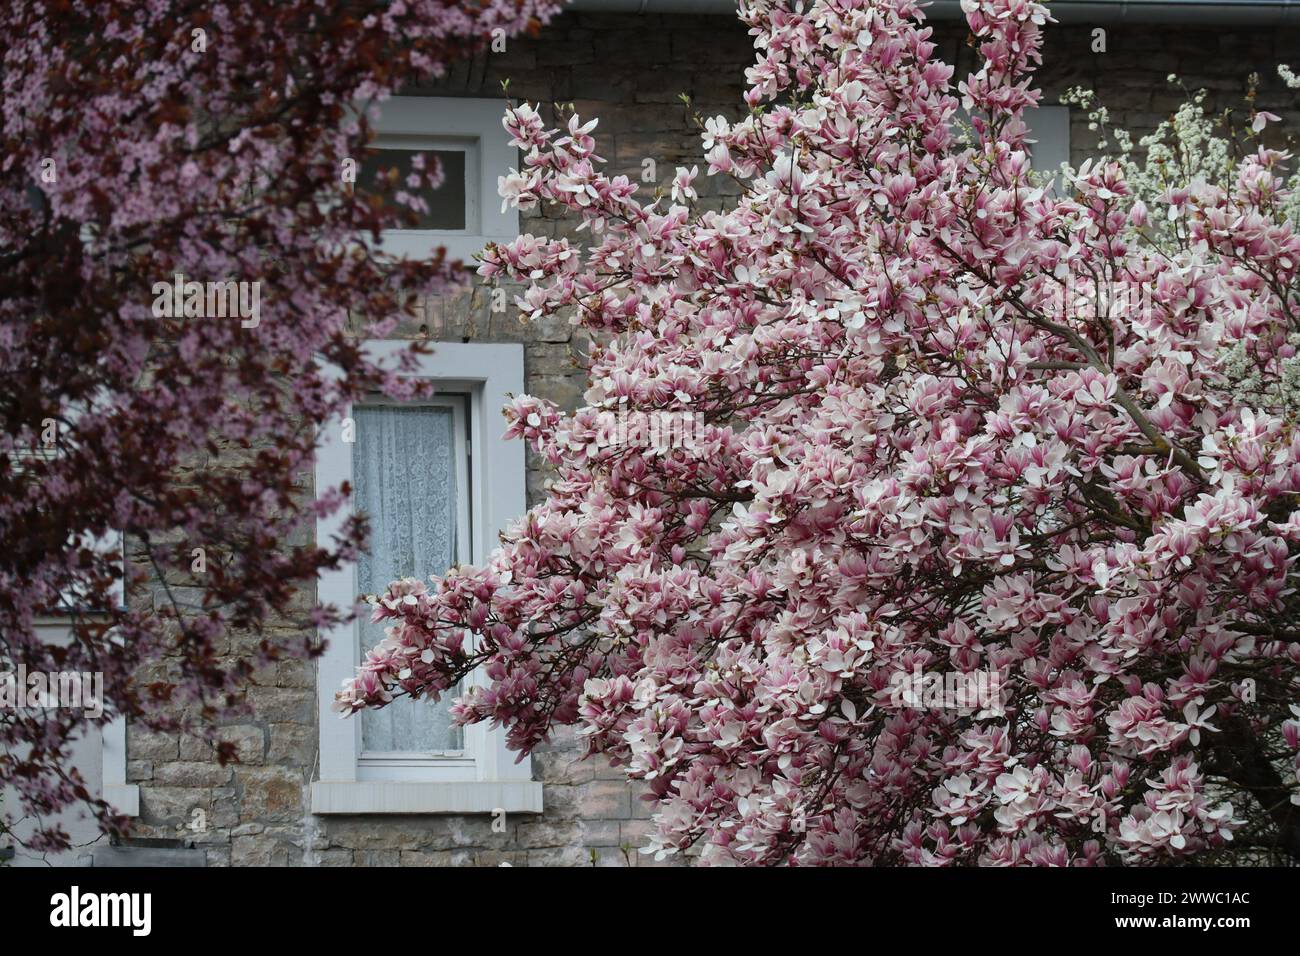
column 628, row 71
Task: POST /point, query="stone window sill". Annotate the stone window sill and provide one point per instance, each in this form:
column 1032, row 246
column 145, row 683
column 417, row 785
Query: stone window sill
column 386, row 796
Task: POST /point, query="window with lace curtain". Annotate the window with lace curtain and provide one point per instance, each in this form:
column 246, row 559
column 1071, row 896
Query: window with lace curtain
column 438, row 483
column 411, row 479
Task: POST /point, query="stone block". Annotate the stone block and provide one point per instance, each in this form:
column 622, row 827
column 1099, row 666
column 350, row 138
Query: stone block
column 271, row 794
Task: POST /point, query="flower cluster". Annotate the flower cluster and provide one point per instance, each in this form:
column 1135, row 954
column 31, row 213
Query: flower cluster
column 911, row 463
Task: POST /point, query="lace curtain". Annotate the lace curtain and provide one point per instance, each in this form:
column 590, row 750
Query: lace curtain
column 404, row 477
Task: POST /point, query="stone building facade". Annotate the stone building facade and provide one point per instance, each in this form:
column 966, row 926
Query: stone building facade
column 629, row 70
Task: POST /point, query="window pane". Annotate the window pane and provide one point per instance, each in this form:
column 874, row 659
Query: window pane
column 405, row 476
column 446, row 203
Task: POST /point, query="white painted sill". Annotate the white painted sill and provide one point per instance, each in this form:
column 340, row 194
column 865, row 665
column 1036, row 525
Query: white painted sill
column 388, row 796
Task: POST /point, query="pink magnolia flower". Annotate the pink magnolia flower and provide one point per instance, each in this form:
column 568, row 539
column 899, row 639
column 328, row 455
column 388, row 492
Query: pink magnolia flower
column 920, row 455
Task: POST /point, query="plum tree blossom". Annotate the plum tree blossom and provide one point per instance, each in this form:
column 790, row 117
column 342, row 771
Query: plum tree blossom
column 220, row 142
column 918, row 454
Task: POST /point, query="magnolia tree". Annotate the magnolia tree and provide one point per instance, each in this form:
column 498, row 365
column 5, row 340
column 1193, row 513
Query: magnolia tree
column 181, row 239
column 937, row 441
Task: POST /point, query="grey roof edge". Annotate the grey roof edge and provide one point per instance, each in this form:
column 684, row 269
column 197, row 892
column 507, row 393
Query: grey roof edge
column 1100, row 12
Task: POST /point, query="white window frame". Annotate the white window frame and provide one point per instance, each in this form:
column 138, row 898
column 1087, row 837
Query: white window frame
column 454, row 123
column 492, row 780
column 1049, row 128
column 110, row 543
column 1048, row 137
column 102, row 746
column 121, row 796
